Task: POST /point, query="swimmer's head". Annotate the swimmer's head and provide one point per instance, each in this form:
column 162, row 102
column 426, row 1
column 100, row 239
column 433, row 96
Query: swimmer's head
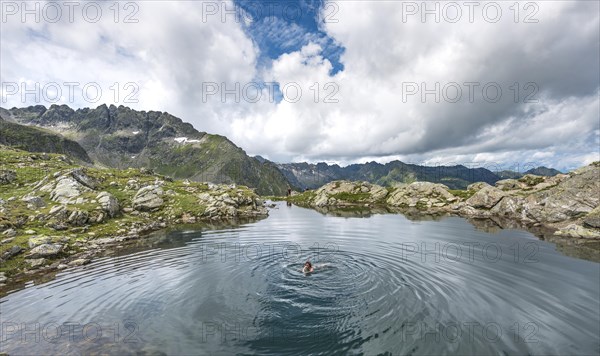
column 307, row 264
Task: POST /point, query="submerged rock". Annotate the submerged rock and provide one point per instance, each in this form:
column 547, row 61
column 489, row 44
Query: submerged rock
column 578, row 231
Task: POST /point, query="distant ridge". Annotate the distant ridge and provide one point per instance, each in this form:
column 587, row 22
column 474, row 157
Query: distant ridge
column 305, row 175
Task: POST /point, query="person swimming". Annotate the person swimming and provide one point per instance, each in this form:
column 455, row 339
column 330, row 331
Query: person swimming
column 308, row 267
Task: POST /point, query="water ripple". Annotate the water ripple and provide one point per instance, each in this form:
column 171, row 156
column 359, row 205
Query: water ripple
column 378, row 288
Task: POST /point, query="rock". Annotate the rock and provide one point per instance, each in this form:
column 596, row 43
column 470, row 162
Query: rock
column 420, row 194
column 58, row 226
column 37, row 262
column 509, row 207
column 67, row 190
column 531, row 180
column 127, row 210
column 7, row 241
column 10, row 233
column 109, row 203
column 377, row 193
column 321, row 200
column 485, row 198
column 29, row 232
column 572, row 198
column 13, row 251
column 39, row 240
column 132, row 184
column 7, row 176
column 188, row 219
column 56, row 209
column 45, row 250
column 578, row 231
column 148, row 198
column 509, row 184
column 592, row 219
column 146, row 171
column 78, row 218
column 80, row 176
column 34, row 201
column 543, row 185
column 61, row 266
column 477, row 186
column 79, row 262
column 346, row 192
column 3, row 278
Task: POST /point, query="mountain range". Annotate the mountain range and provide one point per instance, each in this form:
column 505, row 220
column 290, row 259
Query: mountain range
column 310, row 176
column 120, row 137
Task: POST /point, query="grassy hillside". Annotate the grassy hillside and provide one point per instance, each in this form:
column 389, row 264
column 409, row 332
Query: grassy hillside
column 38, row 140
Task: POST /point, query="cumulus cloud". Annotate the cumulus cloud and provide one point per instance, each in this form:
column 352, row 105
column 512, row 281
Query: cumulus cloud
column 373, row 109
column 552, row 108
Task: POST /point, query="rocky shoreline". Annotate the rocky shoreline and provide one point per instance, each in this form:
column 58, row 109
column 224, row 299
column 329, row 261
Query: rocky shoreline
column 567, row 204
column 55, row 214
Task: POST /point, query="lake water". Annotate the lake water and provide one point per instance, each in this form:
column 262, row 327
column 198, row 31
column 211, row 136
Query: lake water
column 383, row 285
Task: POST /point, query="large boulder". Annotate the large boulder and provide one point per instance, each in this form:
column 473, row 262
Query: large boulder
column 509, row 207
column 572, row 198
column 109, row 203
column 45, row 250
column 346, row 192
column 485, row 198
column 418, row 194
column 148, row 198
column 67, row 190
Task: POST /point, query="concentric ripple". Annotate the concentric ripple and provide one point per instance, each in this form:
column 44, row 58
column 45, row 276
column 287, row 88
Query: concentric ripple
column 382, row 285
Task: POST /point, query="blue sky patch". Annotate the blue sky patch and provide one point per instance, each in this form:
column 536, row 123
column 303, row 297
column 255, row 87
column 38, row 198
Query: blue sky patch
column 280, row 27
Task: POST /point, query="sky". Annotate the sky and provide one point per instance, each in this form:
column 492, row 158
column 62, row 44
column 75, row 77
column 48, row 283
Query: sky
column 494, row 84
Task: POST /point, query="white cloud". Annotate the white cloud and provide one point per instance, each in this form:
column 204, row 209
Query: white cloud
column 171, row 51
column 559, row 55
